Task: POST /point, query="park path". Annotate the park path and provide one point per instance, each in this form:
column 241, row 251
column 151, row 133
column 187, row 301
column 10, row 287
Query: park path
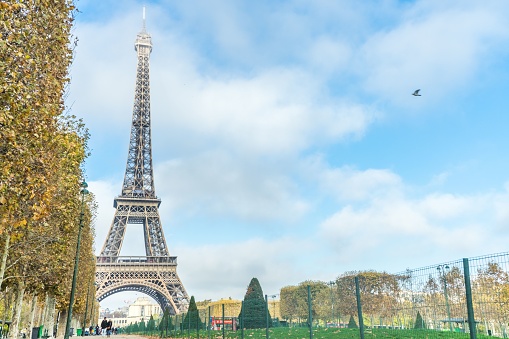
column 117, row 336
column 124, row 336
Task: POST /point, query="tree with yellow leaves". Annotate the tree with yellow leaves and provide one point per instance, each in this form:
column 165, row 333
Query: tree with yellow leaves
column 41, row 153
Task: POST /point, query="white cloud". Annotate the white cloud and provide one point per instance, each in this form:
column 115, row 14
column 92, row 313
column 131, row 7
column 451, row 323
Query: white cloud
column 217, row 184
column 100, row 80
column 501, row 209
column 279, row 111
column 422, row 230
column 104, row 192
column 225, row 270
column 446, row 206
column 434, row 48
column 349, row 184
column 328, row 55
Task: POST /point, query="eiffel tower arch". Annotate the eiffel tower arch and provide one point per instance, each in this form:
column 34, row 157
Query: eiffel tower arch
column 154, row 274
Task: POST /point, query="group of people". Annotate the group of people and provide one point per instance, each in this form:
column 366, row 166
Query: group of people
column 106, row 328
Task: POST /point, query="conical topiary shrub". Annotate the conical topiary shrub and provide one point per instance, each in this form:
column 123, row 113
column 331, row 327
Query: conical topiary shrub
column 419, row 322
column 254, row 311
column 352, row 323
column 192, row 319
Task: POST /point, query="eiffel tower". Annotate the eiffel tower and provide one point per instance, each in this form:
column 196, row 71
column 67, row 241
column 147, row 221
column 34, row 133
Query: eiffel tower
column 154, row 274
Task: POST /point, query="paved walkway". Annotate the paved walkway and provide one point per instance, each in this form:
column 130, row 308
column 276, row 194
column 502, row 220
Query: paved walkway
column 117, row 336
column 127, row 336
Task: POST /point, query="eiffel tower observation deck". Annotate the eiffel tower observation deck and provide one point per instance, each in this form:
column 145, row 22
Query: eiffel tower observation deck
column 154, row 274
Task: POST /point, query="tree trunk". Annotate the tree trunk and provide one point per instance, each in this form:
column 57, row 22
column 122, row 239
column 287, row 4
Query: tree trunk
column 31, row 323
column 49, row 315
column 16, row 313
column 42, row 315
column 61, row 324
column 4, row 257
column 8, row 306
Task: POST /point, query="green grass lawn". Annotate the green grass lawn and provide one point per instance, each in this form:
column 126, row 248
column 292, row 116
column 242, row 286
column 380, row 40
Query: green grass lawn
column 324, row 333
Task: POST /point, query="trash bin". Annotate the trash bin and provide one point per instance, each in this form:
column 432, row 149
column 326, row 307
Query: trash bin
column 71, row 331
column 78, row 332
column 35, row 333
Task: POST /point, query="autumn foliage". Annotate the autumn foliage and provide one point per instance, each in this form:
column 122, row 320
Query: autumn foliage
column 42, row 150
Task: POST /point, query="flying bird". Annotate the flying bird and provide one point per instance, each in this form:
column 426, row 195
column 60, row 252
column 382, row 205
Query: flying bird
column 416, row 93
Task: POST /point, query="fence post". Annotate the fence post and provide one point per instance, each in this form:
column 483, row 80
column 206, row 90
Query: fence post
column 180, row 329
column 359, row 306
column 222, row 306
column 241, row 320
column 167, row 321
column 266, row 308
column 198, row 323
column 208, row 326
column 310, row 314
column 188, row 324
column 470, row 307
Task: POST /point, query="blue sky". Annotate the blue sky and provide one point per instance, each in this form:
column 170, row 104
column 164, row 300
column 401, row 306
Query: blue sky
column 286, row 142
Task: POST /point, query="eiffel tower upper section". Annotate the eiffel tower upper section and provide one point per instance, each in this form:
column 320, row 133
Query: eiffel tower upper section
column 138, row 203
column 139, row 178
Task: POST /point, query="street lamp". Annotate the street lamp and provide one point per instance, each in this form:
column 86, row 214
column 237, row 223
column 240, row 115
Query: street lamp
column 441, row 271
column 331, row 283
column 84, row 192
column 274, row 307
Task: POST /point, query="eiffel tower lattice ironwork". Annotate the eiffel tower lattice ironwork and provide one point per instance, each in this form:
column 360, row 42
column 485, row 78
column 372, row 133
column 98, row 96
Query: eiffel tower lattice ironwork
column 156, row 273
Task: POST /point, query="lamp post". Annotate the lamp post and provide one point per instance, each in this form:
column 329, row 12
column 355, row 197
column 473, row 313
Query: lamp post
column 84, row 192
column 331, row 283
column 273, row 307
column 441, row 271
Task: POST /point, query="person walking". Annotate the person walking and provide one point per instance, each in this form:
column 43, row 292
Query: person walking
column 108, row 328
column 104, row 325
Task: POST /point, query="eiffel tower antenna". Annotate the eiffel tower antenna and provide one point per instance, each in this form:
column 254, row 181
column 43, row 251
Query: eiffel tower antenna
column 144, row 27
column 154, row 274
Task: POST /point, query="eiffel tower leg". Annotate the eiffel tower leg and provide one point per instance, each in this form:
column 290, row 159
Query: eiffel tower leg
column 176, row 290
column 155, row 243
column 113, row 243
column 180, row 297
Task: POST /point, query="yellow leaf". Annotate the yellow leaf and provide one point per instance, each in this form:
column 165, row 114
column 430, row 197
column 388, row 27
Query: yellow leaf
column 21, row 223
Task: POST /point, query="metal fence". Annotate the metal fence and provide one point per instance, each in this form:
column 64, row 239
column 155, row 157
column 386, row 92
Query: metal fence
column 463, row 296
column 467, row 298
